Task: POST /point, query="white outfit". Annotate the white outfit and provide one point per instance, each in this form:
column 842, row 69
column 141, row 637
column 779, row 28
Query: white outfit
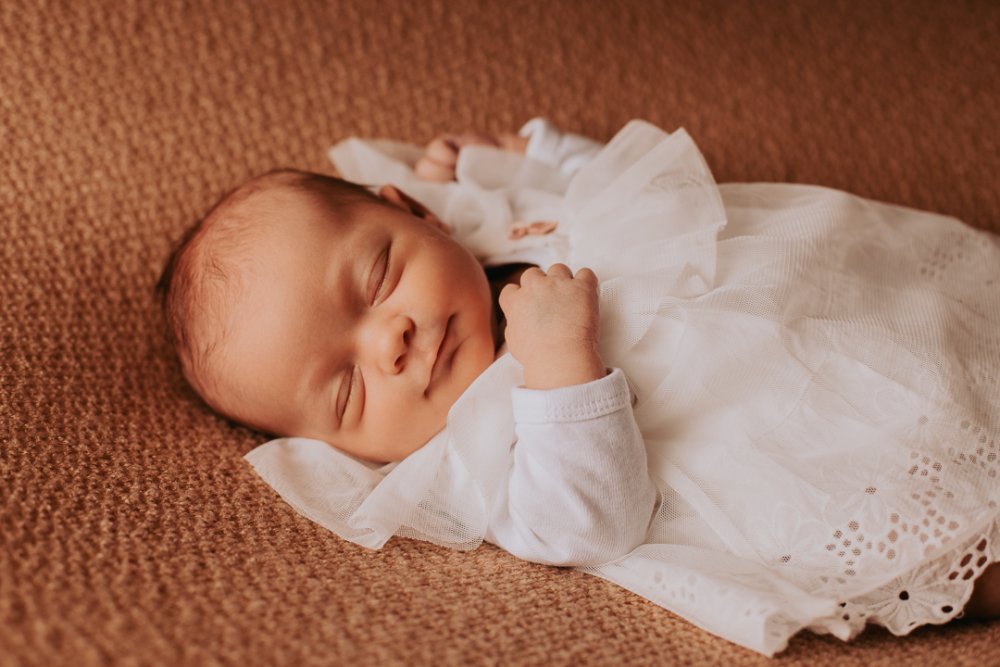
column 816, row 379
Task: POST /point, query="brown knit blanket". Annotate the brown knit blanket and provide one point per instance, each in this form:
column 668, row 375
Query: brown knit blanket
column 131, row 530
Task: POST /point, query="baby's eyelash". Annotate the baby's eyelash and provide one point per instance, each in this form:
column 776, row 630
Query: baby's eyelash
column 344, row 395
column 353, row 380
column 384, row 263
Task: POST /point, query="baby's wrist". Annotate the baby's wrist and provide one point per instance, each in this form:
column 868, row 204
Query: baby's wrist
column 564, row 369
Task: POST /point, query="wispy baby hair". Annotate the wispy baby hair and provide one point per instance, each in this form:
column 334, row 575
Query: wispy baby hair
column 203, row 275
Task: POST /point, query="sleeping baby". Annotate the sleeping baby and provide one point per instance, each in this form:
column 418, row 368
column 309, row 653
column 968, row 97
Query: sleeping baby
column 775, row 410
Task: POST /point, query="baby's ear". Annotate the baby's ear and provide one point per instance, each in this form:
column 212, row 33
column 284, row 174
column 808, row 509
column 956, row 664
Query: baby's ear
column 398, row 198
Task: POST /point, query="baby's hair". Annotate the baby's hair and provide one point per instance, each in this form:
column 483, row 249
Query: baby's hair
column 203, row 274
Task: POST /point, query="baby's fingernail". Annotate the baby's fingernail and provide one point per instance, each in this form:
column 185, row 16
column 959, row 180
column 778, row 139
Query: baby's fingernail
column 517, row 230
column 541, row 227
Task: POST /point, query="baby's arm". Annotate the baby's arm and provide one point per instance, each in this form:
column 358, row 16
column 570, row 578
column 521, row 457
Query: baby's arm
column 441, row 154
column 538, row 139
column 579, row 490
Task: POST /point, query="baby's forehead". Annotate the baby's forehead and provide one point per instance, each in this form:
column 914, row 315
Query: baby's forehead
column 280, row 227
column 246, row 226
column 238, row 237
column 282, row 208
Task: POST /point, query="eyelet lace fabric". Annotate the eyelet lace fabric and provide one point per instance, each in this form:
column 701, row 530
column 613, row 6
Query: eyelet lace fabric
column 816, row 378
column 933, row 593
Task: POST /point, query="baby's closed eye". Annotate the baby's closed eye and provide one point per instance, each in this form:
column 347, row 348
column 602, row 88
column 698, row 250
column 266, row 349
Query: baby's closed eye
column 377, row 278
column 350, row 396
column 344, row 393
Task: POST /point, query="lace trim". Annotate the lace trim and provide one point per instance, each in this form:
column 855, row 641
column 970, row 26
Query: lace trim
column 933, row 593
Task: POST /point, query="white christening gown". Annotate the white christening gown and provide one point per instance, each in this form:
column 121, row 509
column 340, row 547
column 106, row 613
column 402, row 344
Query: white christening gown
column 817, row 380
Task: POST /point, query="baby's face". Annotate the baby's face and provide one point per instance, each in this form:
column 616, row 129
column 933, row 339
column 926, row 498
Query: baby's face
column 360, row 331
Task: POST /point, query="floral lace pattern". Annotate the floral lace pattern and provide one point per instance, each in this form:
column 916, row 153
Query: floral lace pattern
column 950, row 558
column 933, row 593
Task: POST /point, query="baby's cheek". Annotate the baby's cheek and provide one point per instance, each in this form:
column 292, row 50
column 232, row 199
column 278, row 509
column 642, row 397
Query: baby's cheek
column 422, row 422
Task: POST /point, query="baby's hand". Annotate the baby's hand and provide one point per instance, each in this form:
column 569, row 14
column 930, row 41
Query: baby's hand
column 553, row 325
column 439, row 158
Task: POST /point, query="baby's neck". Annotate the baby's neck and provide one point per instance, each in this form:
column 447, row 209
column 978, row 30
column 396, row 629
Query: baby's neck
column 500, row 276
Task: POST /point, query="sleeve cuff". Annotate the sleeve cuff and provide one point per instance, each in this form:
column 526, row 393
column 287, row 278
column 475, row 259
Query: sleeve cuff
column 575, row 403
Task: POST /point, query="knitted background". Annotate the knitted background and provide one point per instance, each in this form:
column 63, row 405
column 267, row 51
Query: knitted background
column 131, row 530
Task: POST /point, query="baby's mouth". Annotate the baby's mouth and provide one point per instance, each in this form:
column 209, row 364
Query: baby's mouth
column 440, row 357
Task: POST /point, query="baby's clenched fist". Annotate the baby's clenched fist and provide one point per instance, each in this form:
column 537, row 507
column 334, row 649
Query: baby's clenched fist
column 553, row 323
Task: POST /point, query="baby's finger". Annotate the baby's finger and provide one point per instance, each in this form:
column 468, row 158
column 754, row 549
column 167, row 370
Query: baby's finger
column 531, row 275
column 560, row 270
column 587, row 276
column 507, row 294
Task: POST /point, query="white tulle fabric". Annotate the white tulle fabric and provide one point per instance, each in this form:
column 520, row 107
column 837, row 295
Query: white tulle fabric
column 817, row 381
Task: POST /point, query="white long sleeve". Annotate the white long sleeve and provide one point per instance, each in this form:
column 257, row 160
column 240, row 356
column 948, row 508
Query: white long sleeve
column 565, row 151
column 579, row 491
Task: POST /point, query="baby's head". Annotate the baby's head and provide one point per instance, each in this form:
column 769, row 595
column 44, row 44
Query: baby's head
column 306, row 305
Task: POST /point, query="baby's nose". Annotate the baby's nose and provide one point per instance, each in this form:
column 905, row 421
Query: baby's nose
column 391, row 343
